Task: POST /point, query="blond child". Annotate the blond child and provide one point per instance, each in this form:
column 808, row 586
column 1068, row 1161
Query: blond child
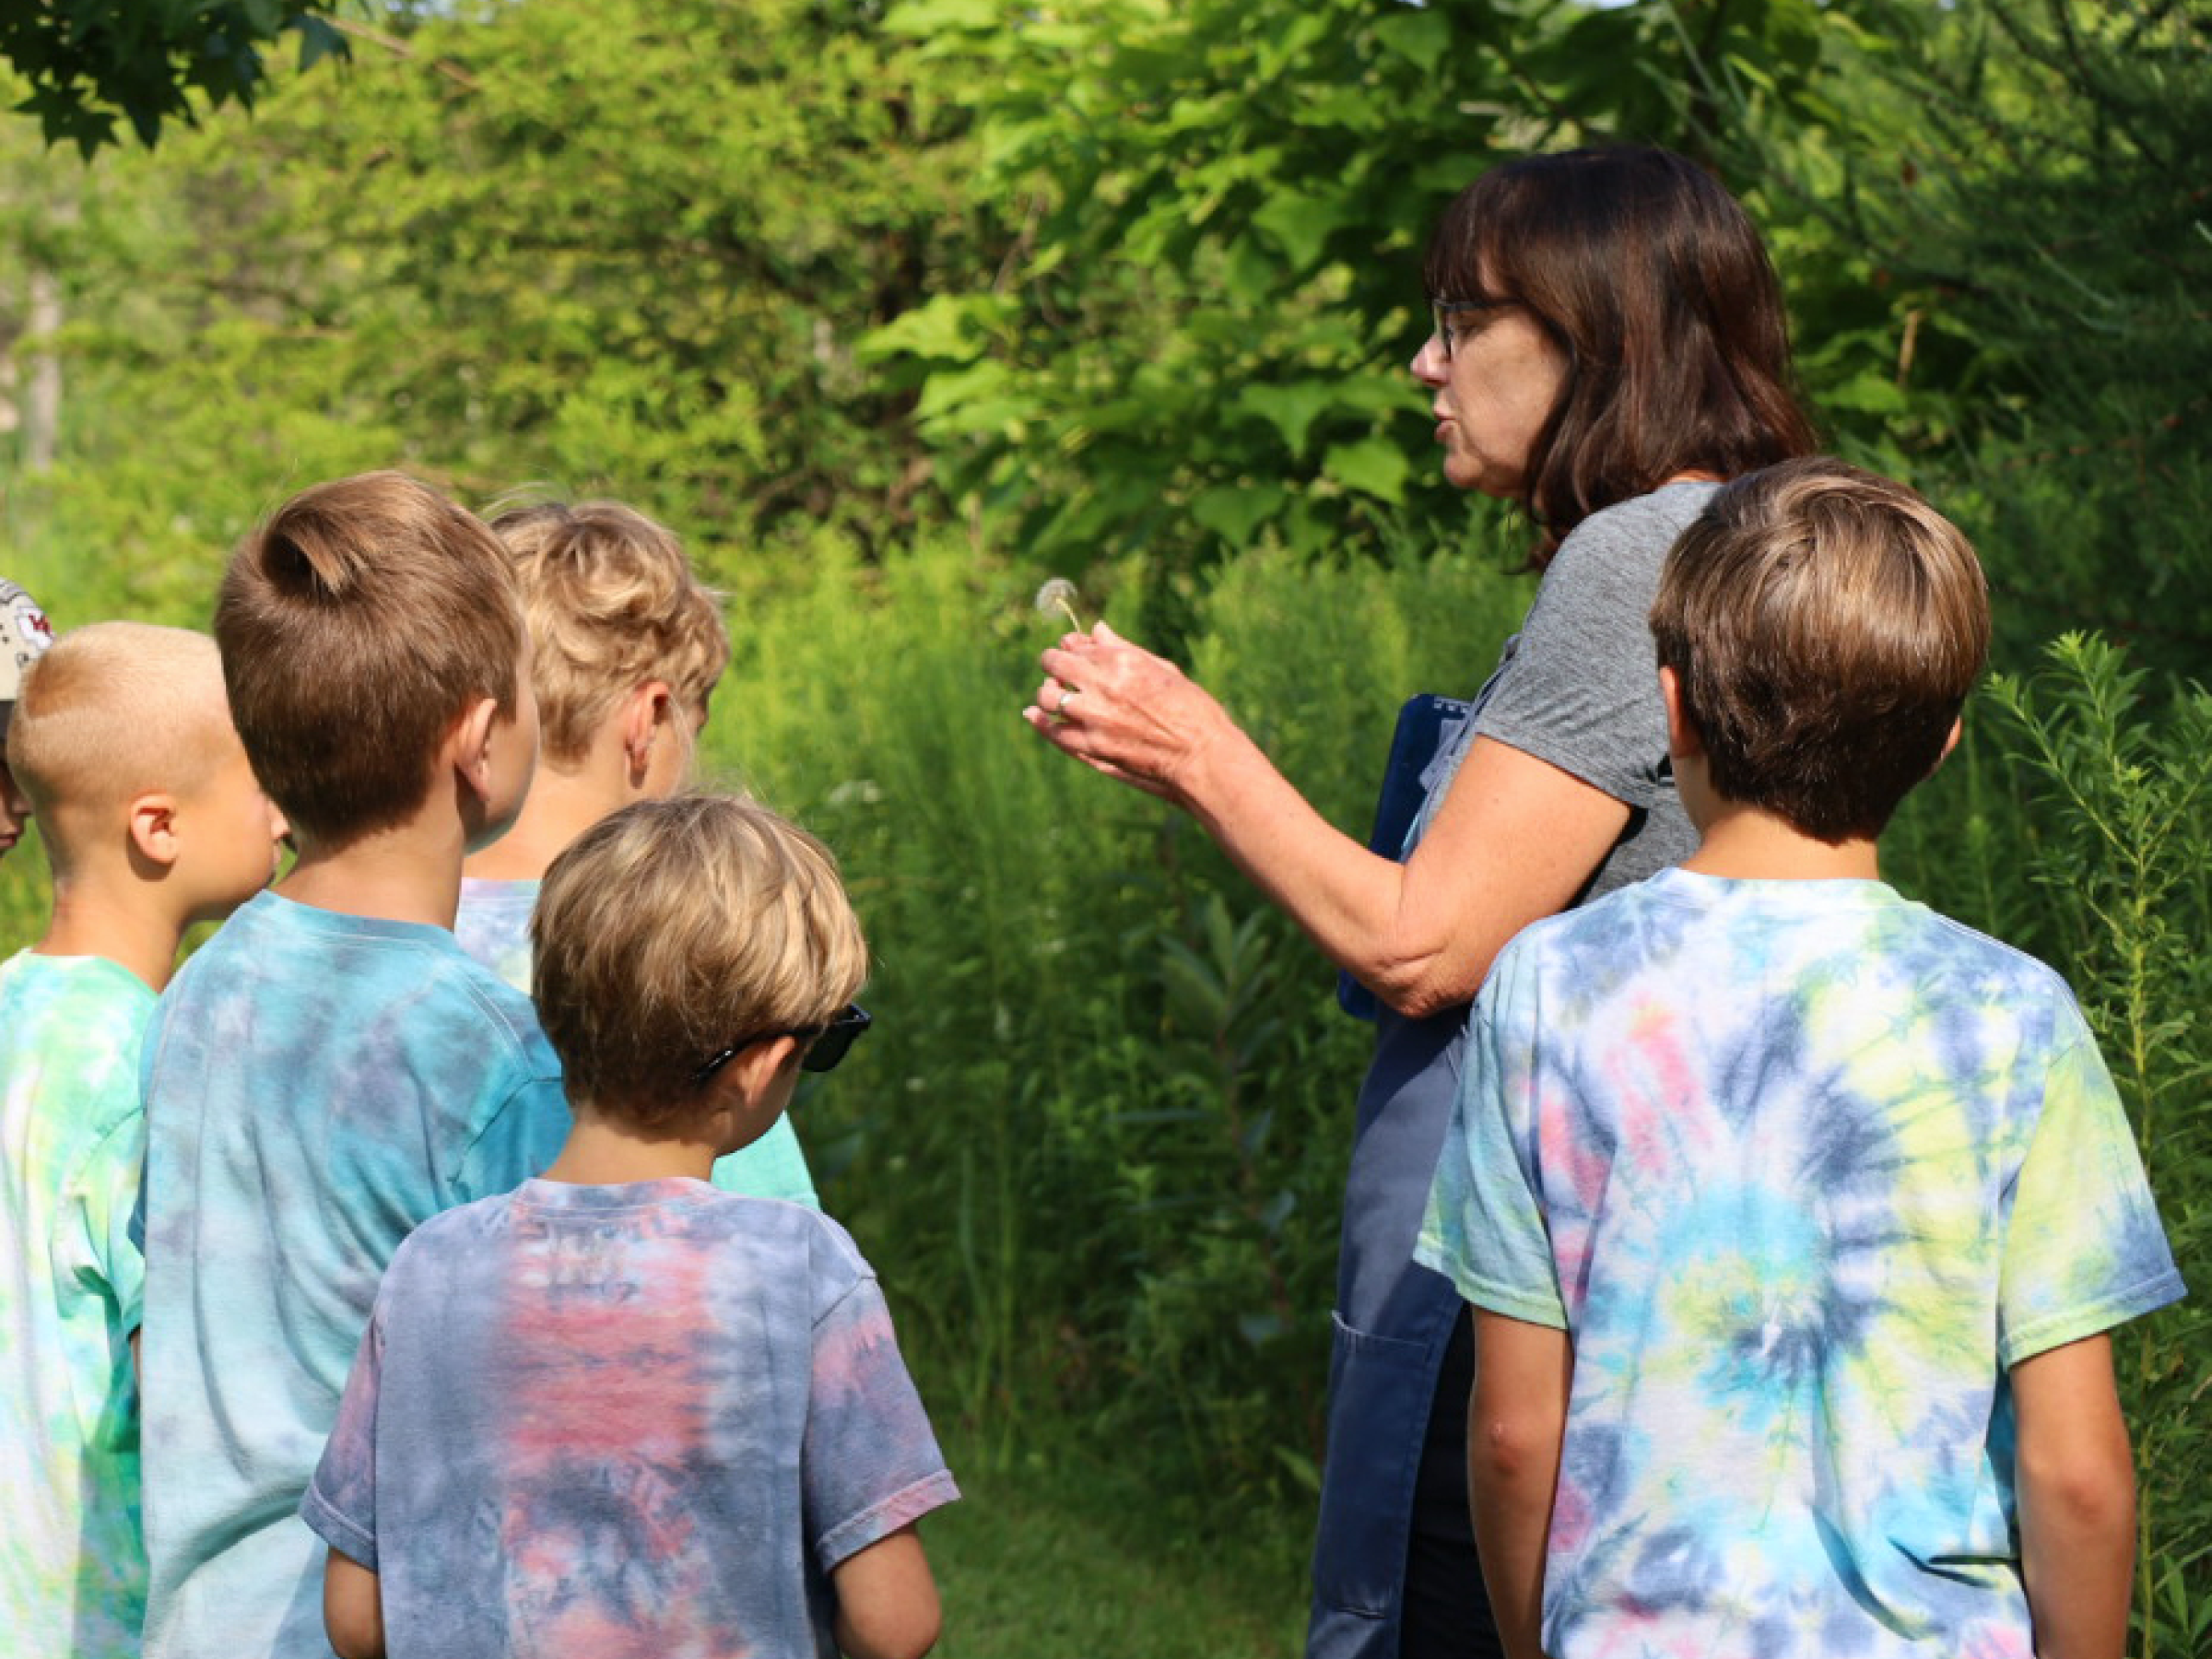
column 25, row 633
column 619, row 1410
column 152, row 821
column 1795, row 1215
column 626, row 647
column 329, row 1069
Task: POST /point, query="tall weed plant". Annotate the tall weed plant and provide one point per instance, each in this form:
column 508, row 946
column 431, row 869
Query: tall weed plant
column 2076, row 821
column 2121, row 855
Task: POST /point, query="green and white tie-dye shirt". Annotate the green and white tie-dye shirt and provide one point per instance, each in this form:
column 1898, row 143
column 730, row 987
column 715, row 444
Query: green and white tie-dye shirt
column 1803, row 1169
column 72, row 1137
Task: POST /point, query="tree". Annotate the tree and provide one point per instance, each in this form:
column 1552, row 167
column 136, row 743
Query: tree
column 89, row 61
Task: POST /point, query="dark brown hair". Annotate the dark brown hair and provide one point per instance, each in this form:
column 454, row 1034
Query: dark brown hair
column 1654, row 286
column 357, row 626
column 672, row 928
column 1825, row 626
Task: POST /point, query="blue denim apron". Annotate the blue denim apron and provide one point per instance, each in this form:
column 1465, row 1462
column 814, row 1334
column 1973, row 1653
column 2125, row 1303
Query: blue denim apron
column 1393, row 1317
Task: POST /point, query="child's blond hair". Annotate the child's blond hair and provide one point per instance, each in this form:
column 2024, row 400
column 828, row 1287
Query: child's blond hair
column 672, row 928
column 1824, row 626
column 357, row 626
column 114, row 711
column 612, row 602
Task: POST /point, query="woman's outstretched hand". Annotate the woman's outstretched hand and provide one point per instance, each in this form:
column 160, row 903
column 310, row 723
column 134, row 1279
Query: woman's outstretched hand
column 1124, row 711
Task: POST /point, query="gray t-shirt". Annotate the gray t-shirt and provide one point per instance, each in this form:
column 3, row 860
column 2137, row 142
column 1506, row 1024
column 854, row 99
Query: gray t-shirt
column 1578, row 686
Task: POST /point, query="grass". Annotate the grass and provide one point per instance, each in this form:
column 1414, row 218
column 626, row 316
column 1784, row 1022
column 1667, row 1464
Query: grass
column 1055, row 1553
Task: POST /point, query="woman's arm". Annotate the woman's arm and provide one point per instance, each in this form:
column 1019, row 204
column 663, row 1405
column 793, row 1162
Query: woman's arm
column 1513, row 840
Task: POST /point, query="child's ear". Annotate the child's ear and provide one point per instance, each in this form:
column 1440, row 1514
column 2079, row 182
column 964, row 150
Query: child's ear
column 763, row 1066
column 153, row 829
column 1949, row 743
column 469, row 745
column 646, row 713
column 1683, row 741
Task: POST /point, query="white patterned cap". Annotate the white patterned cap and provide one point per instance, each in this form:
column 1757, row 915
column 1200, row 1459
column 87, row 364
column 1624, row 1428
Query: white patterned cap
column 24, row 636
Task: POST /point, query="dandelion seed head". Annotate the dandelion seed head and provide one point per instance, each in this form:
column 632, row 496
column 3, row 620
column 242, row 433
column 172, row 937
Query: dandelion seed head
column 1058, row 598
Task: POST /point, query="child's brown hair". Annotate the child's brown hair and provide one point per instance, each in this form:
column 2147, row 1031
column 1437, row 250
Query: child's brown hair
column 1825, row 626
column 357, row 625
column 672, row 928
column 612, row 601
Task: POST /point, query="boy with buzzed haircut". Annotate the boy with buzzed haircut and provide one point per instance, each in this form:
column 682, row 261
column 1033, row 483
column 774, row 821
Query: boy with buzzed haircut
column 25, row 633
column 329, row 1069
column 618, row 1411
column 152, row 821
column 625, row 647
column 1794, row 1215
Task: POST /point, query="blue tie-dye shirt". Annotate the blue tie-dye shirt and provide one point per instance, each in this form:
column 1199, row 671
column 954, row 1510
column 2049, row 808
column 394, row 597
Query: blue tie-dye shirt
column 1803, row 1169
column 623, row 1422
column 316, row 1085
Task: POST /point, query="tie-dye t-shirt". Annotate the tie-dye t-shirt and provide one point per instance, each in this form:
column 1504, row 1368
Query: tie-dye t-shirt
column 1802, row 1167
column 600, row 1422
column 493, row 927
column 72, row 1566
column 316, row 1084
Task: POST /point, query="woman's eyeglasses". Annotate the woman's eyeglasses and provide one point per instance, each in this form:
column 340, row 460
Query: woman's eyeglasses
column 1457, row 321
column 825, row 1043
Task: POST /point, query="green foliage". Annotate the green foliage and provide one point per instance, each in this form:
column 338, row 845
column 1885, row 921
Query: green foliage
column 148, row 61
column 604, row 243
column 1999, row 219
column 2123, row 856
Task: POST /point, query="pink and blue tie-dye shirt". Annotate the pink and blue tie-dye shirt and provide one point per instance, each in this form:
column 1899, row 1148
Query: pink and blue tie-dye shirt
column 616, row 1422
column 72, row 1565
column 1803, row 1169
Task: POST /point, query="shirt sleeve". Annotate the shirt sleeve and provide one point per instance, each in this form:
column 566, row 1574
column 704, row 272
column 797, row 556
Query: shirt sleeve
column 1484, row 1228
column 340, row 1505
column 869, row 1464
column 2083, row 1248
column 520, row 1138
column 1582, row 691
column 104, row 1194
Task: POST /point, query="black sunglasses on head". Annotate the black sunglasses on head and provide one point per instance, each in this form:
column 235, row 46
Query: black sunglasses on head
column 826, row 1044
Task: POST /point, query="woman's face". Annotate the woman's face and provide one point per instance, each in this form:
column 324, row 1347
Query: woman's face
column 1496, row 376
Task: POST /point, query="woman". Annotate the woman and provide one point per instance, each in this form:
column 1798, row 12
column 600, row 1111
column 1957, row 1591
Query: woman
column 1609, row 346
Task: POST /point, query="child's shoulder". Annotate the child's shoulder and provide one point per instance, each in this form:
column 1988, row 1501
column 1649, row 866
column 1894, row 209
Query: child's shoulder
column 70, row 1014
column 1886, row 935
column 765, row 1241
column 297, row 962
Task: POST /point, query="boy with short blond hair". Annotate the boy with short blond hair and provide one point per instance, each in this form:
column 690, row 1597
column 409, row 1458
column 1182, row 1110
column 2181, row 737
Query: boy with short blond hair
column 25, row 633
column 1794, row 1215
column 152, row 821
column 330, row 1069
column 626, row 647
column 619, row 1409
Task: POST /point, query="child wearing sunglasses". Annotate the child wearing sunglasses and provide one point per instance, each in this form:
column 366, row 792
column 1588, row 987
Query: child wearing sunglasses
column 619, row 1410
